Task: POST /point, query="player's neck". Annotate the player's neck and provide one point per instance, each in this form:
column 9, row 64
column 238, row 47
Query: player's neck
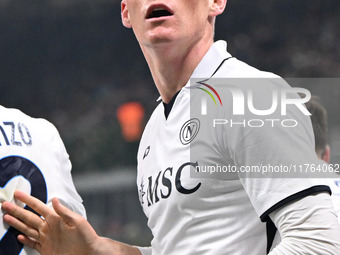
column 172, row 64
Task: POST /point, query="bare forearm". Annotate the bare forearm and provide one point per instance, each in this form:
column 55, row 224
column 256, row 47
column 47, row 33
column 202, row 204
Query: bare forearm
column 105, row 246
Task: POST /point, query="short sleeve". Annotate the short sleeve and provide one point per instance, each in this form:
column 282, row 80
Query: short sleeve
column 271, row 151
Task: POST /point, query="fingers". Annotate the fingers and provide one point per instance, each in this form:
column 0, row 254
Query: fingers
column 68, row 216
column 34, row 203
column 29, row 242
column 22, row 227
column 31, row 219
column 24, row 220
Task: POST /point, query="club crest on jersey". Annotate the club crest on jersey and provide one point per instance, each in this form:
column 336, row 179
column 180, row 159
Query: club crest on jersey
column 189, row 131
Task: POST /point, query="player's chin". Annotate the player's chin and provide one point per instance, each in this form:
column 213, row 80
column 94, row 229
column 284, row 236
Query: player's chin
column 161, row 37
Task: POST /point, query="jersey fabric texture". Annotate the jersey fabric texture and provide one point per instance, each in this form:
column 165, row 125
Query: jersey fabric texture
column 334, row 184
column 32, row 159
column 214, row 215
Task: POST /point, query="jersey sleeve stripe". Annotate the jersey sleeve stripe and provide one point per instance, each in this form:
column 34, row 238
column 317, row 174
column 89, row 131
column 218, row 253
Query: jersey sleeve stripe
column 310, row 191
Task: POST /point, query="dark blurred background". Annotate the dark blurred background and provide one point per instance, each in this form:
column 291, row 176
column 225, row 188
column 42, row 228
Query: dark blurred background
column 73, row 63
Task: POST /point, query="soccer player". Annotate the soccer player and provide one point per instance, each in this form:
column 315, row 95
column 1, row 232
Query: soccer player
column 198, row 215
column 322, row 148
column 33, row 159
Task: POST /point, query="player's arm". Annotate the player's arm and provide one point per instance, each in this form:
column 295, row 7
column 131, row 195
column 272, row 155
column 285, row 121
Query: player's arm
column 307, row 226
column 109, row 246
column 59, row 231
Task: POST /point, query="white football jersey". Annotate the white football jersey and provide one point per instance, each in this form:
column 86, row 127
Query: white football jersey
column 213, row 214
column 335, row 187
column 32, row 159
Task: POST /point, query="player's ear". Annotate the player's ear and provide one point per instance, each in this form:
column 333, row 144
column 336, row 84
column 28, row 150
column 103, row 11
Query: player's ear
column 217, row 7
column 125, row 14
column 327, row 154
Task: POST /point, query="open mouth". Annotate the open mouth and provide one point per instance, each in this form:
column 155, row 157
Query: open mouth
column 158, row 12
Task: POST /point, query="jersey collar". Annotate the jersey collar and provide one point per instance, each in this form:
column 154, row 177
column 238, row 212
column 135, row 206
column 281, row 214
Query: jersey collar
column 211, row 60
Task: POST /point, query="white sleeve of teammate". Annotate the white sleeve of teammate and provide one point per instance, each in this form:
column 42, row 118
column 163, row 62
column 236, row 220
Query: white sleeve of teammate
column 145, row 250
column 68, row 194
column 307, row 226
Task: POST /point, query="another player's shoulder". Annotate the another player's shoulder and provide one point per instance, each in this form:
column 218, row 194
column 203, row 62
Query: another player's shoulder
column 16, row 115
column 14, row 120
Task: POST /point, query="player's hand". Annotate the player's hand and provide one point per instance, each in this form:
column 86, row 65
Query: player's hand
column 58, row 231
